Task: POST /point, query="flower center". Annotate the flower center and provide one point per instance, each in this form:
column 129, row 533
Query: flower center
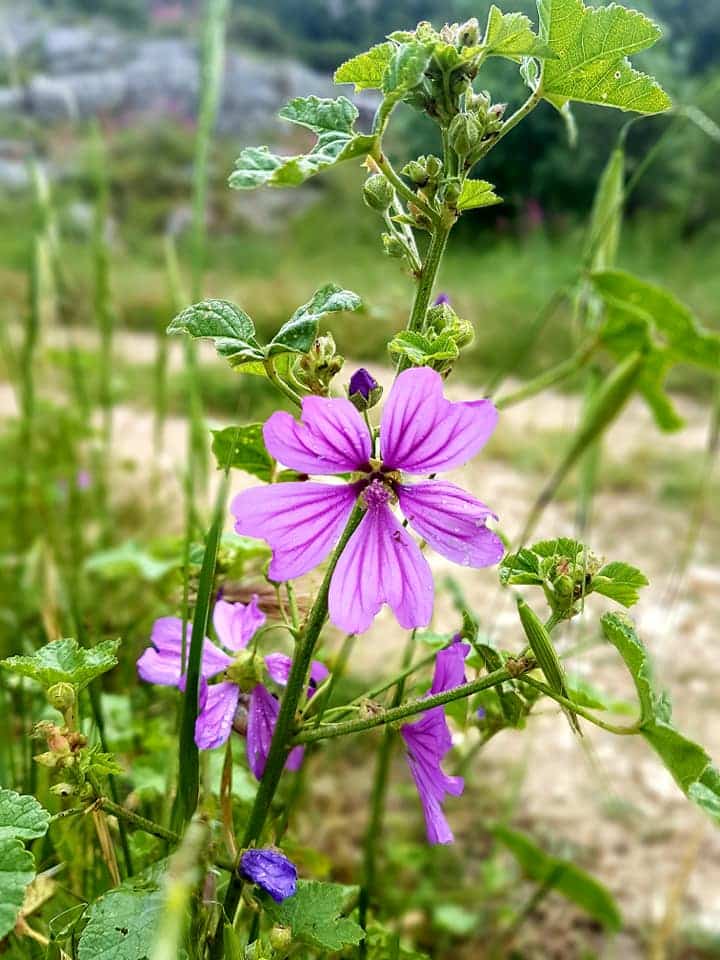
column 376, row 494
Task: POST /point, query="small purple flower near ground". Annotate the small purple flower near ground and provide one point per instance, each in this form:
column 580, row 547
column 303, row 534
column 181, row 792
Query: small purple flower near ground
column 440, row 299
column 420, row 433
column 270, row 870
column 363, row 383
column 235, row 624
column 428, row 740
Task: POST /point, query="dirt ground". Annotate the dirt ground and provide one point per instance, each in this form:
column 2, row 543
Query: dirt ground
column 607, row 799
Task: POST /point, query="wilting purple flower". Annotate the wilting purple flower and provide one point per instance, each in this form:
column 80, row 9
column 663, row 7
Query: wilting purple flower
column 235, row 624
column 428, row 740
column 363, row 383
column 270, row 870
column 420, row 433
column 440, row 299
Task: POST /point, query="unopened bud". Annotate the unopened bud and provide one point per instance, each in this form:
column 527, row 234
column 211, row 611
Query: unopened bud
column 464, row 134
column 61, row 696
column 416, row 172
column 281, row 938
column 392, row 246
column 468, row 33
column 434, row 166
column 378, row 193
column 63, row 789
column 363, row 390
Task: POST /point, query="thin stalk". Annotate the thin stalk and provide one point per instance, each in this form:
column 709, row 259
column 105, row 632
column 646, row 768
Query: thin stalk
column 401, row 188
column 285, row 725
column 629, row 730
column 378, row 797
column 551, row 377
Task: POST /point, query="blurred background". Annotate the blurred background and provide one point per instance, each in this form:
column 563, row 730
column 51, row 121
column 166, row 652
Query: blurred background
column 98, row 120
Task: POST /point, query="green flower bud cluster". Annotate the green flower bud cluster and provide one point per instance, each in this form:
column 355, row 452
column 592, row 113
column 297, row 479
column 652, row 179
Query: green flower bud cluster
column 442, row 321
column 316, row 368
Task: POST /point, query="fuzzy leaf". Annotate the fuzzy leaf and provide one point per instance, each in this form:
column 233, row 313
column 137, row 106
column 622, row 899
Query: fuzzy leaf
column 421, row 350
column 65, row 661
column 299, row 333
column 315, row 917
column 592, row 45
column 331, row 120
column 619, row 582
column 17, row 871
column 477, row 193
column 511, row 35
column 121, row 925
column 405, row 70
column 565, row 877
column 21, row 817
column 243, row 448
column 229, row 327
column 366, row 70
column 689, row 764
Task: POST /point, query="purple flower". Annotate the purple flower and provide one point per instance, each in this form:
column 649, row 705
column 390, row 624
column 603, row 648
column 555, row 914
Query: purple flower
column 420, row 433
column 83, row 480
column 428, row 740
column 440, row 299
column 363, row 383
column 270, row 870
column 235, row 625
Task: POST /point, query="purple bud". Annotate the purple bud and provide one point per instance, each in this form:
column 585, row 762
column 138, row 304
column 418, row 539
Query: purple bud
column 440, row 299
column 481, row 713
column 270, row 870
column 363, row 383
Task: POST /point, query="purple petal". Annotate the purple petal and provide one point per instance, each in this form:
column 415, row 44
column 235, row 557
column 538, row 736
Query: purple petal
column 428, row 740
column 262, row 717
column 332, row 437
column 236, row 623
column 270, row 870
column 363, row 383
column 450, row 667
column 380, row 564
column 451, row 521
column 278, row 666
column 295, row 759
column 318, row 673
column 301, row 521
column 215, row 720
column 162, row 663
column 440, row 299
column 422, row 432
column 153, row 667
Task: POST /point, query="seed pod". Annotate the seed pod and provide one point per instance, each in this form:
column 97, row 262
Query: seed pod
column 378, row 193
column 464, row 134
column 416, row 171
column 546, row 656
column 61, row 696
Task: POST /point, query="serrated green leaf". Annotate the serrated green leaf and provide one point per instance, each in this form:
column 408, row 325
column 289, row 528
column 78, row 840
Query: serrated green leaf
column 17, row 871
column 121, row 925
column 366, row 70
column 21, row 817
column 229, row 327
column 592, row 45
column 129, row 559
column 619, row 582
column 511, row 35
column 333, row 122
column 477, row 193
column 65, row 661
column 243, row 448
column 422, row 351
column 301, row 330
column 521, row 568
column 315, row 915
column 565, row 877
column 689, row 764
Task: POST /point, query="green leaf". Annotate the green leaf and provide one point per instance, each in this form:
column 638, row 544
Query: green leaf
column 422, row 351
column 17, row 871
column 121, row 925
column 21, row 817
column 301, row 330
column 243, row 448
column 405, row 70
column 687, row 761
column 592, row 45
column 332, row 120
column 477, row 193
column 229, row 327
column 619, row 582
column 603, row 233
column 511, row 35
column 128, row 560
column 65, row 661
column 315, row 917
column 565, row 877
column 366, row 70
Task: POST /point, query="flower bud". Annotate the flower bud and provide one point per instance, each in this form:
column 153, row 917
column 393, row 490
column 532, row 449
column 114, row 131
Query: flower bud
column 363, row 390
column 416, row 172
column 61, row 696
column 392, row 246
column 319, row 365
column 378, row 193
column 468, row 33
column 464, row 134
column 434, row 166
column 281, row 938
column 247, row 670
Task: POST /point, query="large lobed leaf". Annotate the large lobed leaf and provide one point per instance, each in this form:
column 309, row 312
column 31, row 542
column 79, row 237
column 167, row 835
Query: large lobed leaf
column 333, row 121
column 592, row 45
column 122, row 925
column 315, row 915
column 511, row 35
column 243, row 448
column 477, row 193
column 366, row 70
column 689, row 764
column 65, row 661
column 21, row 818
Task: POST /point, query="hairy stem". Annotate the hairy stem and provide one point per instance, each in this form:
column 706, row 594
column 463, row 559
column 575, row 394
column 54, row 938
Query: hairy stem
column 629, row 730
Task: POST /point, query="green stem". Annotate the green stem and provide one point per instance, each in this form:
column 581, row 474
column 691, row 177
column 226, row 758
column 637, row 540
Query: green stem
column 550, row 378
column 405, row 710
column 532, row 101
column 622, row 731
column 285, row 725
column 401, row 188
column 283, row 387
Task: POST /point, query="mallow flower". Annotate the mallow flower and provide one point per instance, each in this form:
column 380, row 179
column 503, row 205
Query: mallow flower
column 428, row 740
column 421, row 433
column 271, row 871
column 235, row 625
